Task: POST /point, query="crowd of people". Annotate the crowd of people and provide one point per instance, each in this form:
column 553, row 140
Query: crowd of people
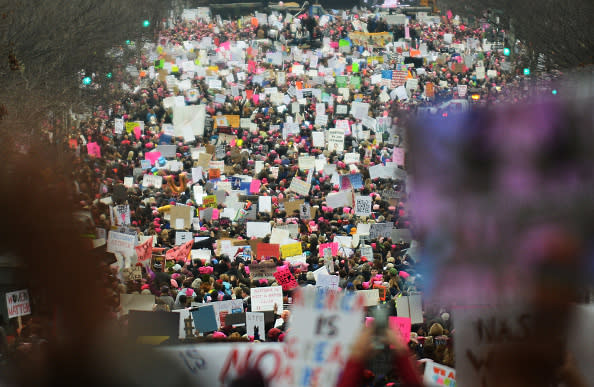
column 281, row 76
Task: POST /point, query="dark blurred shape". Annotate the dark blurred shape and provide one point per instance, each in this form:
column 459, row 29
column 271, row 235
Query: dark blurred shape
column 503, row 202
column 76, row 340
column 252, row 377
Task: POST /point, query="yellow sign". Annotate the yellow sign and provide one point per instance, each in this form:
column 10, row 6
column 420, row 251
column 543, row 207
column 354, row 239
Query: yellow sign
column 210, row 201
column 378, row 39
column 130, row 125
column 291, row 249
column 232, row 121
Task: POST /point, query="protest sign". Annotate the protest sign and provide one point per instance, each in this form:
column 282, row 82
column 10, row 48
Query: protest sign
column 329, row 282
column 333, row 246
column 378, row 230
column 410, row 306
column 181, row 217
column 182, row 237
column 262, row 270
column 267, row 251
column 299, row 186
column 363, row 205
column 218, row 364
column 180, row 253
column 254, row 324
column 402, row 327
column 258, row 229
column 328, row 323
column 371, row 296
column 291, row 249
column 285, row 278
column 335, row 140
column 121, row 243
column 438, row 375
column 266, row 298
column 205, row 320
column 17, row 303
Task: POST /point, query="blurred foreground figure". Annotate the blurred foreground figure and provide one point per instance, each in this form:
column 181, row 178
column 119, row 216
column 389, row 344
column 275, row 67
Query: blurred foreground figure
column 503, row 205
column 69, row 339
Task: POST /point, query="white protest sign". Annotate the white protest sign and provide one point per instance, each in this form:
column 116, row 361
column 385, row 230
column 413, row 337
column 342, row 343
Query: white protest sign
column 371, row 296
column 266, row 298
column 118, row 242
column 258, row 229
column 363, row 205
column 254, row 323
column 17, row 303
column 438, row 375
column 265, row 204
column 324, row 324
column 299, row 186
column 335, row 140
column 329, row 282
column 218, row 364
column 318, row 139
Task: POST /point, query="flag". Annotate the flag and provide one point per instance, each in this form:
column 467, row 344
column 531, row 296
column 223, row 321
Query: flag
column 398, row 78
column 179, row 253
column 144, row 250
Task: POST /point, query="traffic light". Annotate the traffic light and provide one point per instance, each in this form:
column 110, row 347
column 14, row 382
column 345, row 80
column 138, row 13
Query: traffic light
column 146, row 23
column 554, row 91
column 506, row 51
column 86, row 81
column 128, row 42
column 109, row 75
column 526, row 71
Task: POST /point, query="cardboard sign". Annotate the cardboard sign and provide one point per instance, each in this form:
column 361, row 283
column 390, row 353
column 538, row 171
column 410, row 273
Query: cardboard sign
column 265, row 298
column 17, row 303
column 327, row 322
column 181, row 213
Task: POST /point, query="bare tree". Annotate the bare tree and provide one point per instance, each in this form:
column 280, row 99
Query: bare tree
column 47, row 47
column 562, row 31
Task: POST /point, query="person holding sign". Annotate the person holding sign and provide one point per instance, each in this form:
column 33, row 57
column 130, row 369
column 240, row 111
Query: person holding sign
column 403, row 364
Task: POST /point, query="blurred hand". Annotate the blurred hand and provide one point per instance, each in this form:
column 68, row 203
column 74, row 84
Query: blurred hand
column 362, row 347
column 396, row 342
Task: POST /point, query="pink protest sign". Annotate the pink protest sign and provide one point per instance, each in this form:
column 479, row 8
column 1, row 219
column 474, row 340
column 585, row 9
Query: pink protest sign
column 398, row 156
column 93, row 149
column 137, row 132
column 401, row 325
column 255, row 186
column 215, row 214
column 331, row 245
column 152, row 156
column 285, row 278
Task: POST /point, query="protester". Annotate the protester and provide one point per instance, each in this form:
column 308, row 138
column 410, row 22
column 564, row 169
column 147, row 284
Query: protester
column 303, row 135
